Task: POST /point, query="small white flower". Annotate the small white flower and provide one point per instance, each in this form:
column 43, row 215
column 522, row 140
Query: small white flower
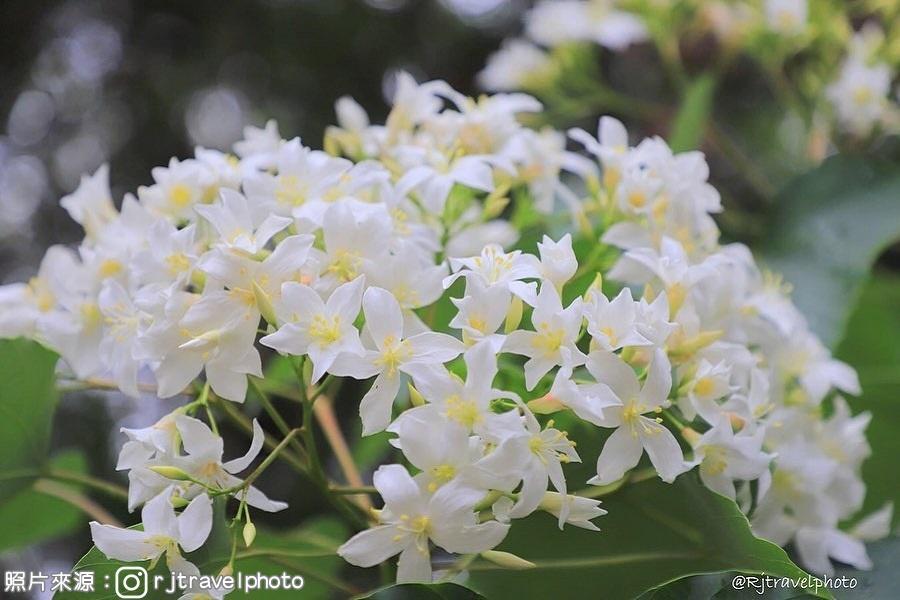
column 164, row 533
column 320, row 329
column 553, row 340
column 393, row 354
column 411, row 518
column 635, row 432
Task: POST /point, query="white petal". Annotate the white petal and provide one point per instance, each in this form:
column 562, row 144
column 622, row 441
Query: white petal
column 475, row 538
column 195, row 523
column 414, row 565
column 401, row 494
column 621, row 452
column 383, row 316
column 198, row 438
column 662, row 448
column 123, row 544
column 375, row 407
column 237, row 465
column 372, row 546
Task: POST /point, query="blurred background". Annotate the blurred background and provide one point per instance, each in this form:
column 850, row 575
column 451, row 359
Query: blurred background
column 86, row 82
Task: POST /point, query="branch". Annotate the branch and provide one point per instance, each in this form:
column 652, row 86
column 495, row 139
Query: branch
column 76, row 499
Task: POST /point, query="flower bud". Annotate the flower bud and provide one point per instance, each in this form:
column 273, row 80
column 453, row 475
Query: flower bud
column 415, row 397
column 546, row 405
column 513, row 315
column 249, row 534
column 171, row 473
column 264, row 303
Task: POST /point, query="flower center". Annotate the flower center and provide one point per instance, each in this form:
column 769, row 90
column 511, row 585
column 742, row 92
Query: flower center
column 464, row 412
column 325, row 330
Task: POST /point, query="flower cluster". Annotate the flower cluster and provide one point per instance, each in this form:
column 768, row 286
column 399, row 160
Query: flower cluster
column 329, row 258
column 856, row 95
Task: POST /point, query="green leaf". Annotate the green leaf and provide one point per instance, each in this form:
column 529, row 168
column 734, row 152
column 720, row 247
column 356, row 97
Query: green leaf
column 827, row 229
column 27, row 401
column 655, row 533
column 870, row 346
column 308, row 551
column 690, row 121
column 31, row 517
column 421, row 591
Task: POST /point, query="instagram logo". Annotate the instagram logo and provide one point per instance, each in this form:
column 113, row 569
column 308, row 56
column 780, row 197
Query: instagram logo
column 131, row 582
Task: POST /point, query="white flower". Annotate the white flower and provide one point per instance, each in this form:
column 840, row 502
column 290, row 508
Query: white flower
column 513, row 66
column 724, row 457
column 238, row 227
column 355, row 243
column 711, row 382
column 558, row 262
column 411, row 518
column 580, row 510
column 553, row 340
column 203, row 462
column 258, row 142
column 554, row 23
column 393, row 354
column 178, row 188
column 634, row 432
column 481, row 312
column 164, row 532
column 317, row 328
column 549, row 449
column 91, row 205
column 786, row 16
column 212, row 331
column 859, row 95
column 613, row 323
column 468, row 403
column 444, row 452
column 123, row 324
column 496, row 267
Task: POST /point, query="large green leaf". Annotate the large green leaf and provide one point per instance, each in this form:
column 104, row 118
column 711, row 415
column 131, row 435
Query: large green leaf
column 31, row 517
column 27, row 401
column 827, row 228
column 421, row 591
column 308, row 551
column 655, row 533
column 871, row 346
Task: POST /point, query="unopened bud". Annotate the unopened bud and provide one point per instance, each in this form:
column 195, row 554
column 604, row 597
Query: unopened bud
column 249, row 534
column 264, row 304
column 692, row 344
column 513, row 315
column 546, row 405
column 507, row 559
column 596, row 286
column 171, row 473
column 415, row 397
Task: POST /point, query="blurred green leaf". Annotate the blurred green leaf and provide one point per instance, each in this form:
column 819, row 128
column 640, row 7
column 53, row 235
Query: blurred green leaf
column 27, row 401
column 827, row 229
column 421, row 591
column 308, row 551
column 656, row 533
column 690, row 121
column 31, row 517
column 871, row 346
